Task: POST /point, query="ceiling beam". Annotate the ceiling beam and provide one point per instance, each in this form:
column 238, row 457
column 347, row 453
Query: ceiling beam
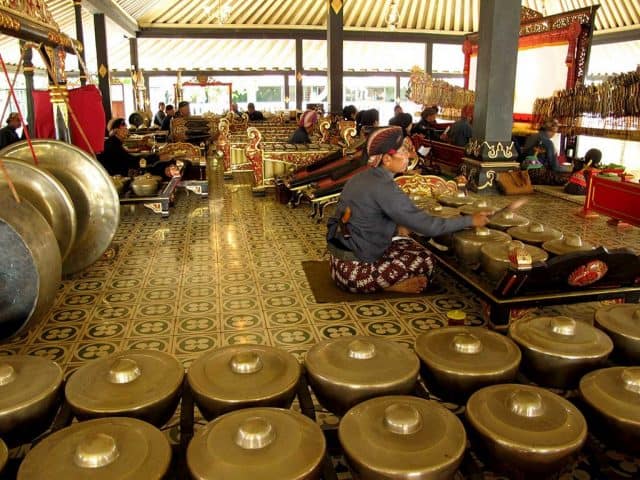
column 627, row 34
column 292, row 33
column 115, row 13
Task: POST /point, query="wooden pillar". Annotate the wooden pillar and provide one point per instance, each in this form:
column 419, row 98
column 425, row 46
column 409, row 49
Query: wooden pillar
column 103, row 62
column 335, row 36
column 398, row 98
column 428, row 58
column 28, row 83
column 491, row 148
column 299, row 68
column 286, row 91
column 77, row 7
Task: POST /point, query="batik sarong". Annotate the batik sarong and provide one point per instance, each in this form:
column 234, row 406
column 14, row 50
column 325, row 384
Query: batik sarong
column 403, row 259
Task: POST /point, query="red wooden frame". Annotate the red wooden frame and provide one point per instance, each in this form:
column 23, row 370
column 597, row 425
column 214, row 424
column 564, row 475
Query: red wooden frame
column 618, row 200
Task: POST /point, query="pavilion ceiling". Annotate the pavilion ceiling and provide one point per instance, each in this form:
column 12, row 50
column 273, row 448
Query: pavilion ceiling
column 452, row 17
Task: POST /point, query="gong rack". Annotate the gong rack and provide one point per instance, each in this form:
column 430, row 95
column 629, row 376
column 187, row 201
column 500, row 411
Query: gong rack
column 473, row 465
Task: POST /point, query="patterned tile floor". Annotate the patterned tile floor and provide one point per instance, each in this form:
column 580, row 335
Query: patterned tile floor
column 227, row 270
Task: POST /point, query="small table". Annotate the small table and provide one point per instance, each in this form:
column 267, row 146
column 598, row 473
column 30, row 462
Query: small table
column 158, row 203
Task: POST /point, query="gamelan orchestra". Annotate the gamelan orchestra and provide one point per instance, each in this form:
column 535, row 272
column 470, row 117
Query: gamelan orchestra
column 410, row 250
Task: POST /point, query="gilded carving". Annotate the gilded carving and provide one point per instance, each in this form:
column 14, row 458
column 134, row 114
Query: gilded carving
column 426, row 185
column 491, row 176
column 33, row 10
column 493, row 151
column 9, row 23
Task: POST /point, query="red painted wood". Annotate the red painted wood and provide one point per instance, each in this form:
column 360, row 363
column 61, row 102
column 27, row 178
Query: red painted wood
column 618, row 200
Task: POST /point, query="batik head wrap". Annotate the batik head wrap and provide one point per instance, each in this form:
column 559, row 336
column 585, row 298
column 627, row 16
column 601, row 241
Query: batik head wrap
column 381, row 141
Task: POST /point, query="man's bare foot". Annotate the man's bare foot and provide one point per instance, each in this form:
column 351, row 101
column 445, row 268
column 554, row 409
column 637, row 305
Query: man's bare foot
column 410, row 285
column 402, row 231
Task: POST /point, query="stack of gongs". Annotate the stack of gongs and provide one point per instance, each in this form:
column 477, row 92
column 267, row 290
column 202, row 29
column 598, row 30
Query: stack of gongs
column 66, row 218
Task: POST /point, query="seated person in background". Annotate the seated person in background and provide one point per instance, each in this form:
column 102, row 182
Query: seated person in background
column 254, row 115
column 8, row 134
column 402, row 120
column 578, row 181
column 184, row 109
column 366, row 121
column 349, row 113
column 118, row 161
column 427, row 126
column 461, row 132
column 169, row 114
column 397, row 110
column 365, row 255
column 234, row 109
column 159, row 116
column 540, row 145
column 305, row 126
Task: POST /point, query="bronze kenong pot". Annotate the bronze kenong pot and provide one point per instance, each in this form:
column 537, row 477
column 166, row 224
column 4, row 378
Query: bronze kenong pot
column 31, row 269
column 479, row 205
column 457, row 361
column 258, row 443
column 495, row 260
column 534, row 233
column 613, row 397
column 241, row 376
column 102, row 449
column 467, row 243
column 143, row 384
column 527, row 431
column 568, row 244
column 507, row 219
column 346, row 371
column 145, row 185
column 403, row 438
column 436, row 210
column 622, row 324
column 119, row 182
column 557, row 351
column 30, row 391
column 456, row 200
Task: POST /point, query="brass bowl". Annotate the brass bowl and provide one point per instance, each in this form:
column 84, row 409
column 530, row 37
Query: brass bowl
column 258, row 443
column 557, row 351
column 457, row 361
column 525, row 430
column 506, row 220
column 622, row 324
column 402, row 437
column 534, row 233
column 479, row 205
column 242, row 376
column 145, row 185
column 456, row 200
column 30, row 391
column 143, row 384
column 613, row 399
column 467, row 243
column 346, row 371
column 103, row 449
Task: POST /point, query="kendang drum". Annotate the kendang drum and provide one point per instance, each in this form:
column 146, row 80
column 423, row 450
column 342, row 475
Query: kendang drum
column 346, row 371
column 241, row 376
column 457, row 361
column 402, row 437
column 102, row 449
column 258, row 443
column 143, row 384
column 30, row 392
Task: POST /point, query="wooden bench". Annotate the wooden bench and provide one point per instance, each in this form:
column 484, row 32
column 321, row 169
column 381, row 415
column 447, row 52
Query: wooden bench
column 616, row 199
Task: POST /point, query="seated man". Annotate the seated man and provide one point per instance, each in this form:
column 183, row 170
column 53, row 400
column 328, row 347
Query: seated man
column 254, row 115
column 540, row 145
column 118, row 161
column 428, row 126
column 365, row 255
column 578, row 181
column 305, row 126
column 461, row 132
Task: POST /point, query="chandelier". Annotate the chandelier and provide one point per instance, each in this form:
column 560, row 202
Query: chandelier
column 393, row 15
column 222, row 13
